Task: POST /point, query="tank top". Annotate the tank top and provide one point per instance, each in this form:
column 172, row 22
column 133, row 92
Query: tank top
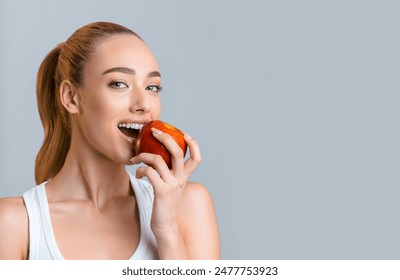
column 42, row 243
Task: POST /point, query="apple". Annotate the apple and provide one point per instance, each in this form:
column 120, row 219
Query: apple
column 147, row 143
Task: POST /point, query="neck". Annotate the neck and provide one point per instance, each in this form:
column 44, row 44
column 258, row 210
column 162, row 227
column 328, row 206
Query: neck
column 87, row 175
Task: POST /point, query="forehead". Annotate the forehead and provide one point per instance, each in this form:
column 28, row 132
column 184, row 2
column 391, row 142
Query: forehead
column 122, row 51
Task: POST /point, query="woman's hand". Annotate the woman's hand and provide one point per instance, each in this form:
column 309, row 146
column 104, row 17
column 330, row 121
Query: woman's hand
column 168, row 188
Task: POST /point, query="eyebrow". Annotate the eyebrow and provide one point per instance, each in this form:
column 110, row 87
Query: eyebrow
column 121, row 70
column 153, row 74
column 131, row 71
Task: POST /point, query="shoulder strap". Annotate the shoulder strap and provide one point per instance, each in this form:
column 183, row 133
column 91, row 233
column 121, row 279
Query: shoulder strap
column 32, row 207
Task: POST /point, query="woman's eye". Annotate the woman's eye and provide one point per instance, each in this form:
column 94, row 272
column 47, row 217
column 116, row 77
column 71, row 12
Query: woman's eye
column 154, row 88
column 118, row 84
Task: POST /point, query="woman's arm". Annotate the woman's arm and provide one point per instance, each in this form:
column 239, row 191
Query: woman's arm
column 183, row 218
column 13, row 229
column 195, row 235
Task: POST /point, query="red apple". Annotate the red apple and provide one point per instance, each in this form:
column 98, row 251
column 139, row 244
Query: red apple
column 146, row 143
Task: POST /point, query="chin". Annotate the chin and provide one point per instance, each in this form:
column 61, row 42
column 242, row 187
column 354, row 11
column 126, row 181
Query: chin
column 127, row 160
column 122, row 156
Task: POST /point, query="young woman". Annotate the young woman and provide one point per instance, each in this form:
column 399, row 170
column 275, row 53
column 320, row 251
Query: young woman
column 103, row 79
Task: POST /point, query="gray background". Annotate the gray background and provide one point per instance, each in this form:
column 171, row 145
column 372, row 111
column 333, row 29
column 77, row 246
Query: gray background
column 294, row 104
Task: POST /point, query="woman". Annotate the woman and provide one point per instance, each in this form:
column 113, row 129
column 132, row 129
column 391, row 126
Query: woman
column 86, row 205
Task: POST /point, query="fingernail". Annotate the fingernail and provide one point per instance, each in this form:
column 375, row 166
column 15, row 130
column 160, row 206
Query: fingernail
column 133, row 159
column 187, row 136
column 156, row 131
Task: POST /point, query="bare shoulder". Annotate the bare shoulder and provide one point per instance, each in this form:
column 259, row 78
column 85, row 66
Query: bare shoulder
column 13, row 228
column 197, row 200
column 198, row 222
column 12, row 210
column 196, row 193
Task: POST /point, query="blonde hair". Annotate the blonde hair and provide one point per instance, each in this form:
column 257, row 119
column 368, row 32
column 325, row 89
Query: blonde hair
column 65, row 62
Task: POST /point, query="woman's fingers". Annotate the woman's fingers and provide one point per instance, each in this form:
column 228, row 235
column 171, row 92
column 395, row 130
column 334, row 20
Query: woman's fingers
column 177, row 155
column 195, row 155
column 150, row 173
column 180, row 168
column 159, row 186
column 156, row 162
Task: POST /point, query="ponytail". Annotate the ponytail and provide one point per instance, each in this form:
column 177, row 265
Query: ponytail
column 55, row 120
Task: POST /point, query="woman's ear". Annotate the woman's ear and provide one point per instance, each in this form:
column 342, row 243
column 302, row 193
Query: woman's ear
column 69, row 97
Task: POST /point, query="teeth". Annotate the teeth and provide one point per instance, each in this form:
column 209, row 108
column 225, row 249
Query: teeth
column 137, row 126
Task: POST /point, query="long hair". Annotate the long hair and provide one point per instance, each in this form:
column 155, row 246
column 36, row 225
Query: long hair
column 65, row 62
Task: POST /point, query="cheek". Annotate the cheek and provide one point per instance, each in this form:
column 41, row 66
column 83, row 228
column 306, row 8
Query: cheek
column 96, row 114
column 156, row 109
column 98, row 104
column 94, row 111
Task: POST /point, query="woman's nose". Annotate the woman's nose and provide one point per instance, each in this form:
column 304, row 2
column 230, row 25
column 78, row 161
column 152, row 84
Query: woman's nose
column 140, row 101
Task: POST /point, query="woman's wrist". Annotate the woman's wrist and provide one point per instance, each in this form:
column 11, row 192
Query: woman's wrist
column 170, row 243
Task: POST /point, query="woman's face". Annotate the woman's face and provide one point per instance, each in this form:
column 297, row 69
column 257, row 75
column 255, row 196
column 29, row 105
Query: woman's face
column 120, row 93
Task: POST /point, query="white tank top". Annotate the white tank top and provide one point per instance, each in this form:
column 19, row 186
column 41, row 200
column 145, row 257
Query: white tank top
column 42, row 243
